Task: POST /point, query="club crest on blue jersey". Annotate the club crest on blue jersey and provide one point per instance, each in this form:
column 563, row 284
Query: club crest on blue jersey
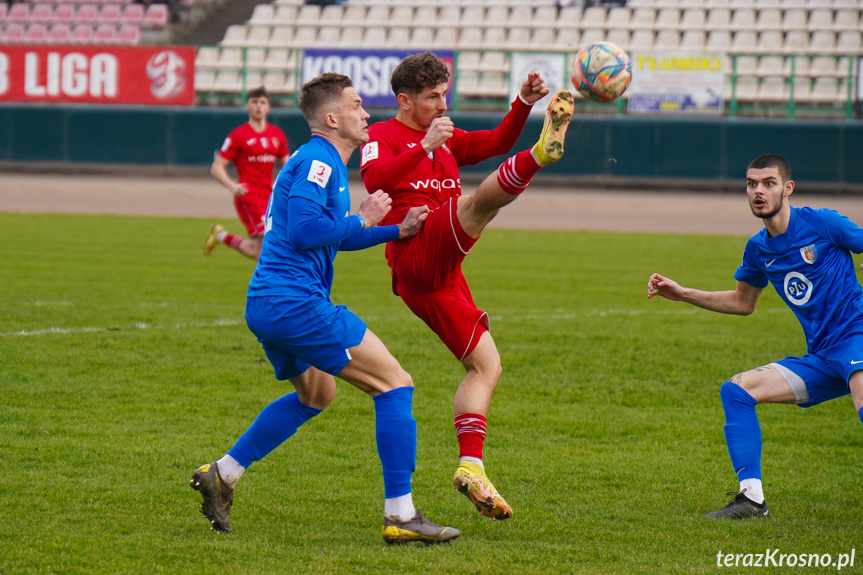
column 808, row 254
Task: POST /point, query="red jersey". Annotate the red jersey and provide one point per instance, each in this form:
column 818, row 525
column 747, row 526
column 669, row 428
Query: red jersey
column 254, row 154
column 394, row 160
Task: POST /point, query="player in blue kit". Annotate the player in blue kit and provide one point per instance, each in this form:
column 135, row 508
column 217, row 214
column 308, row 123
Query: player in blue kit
column 309, row 340
column 806, row 255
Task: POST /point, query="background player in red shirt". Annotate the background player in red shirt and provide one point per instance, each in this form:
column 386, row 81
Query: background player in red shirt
column 254, row 148
column 415, row 157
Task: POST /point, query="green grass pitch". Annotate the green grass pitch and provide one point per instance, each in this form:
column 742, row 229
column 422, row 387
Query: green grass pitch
column 126, row 363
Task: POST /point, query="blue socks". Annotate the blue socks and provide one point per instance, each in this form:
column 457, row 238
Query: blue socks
column 860, row 413
column 396, row 434
column 742, row 432
column 273, row 426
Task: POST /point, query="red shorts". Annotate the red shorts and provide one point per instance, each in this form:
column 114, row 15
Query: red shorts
column 427, row 275
column 252, row 209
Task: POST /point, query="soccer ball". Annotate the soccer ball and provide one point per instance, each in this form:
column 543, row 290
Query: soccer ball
column 601, row 71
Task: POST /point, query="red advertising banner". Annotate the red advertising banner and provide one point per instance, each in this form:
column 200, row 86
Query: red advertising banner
column 156, row 75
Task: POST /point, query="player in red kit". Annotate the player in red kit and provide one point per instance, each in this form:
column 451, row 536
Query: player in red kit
column 415, row 157
column 254, row 148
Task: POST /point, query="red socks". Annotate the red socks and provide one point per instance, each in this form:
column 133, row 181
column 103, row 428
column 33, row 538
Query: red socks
column 516, row 172
column 232, row 241
column 470, row 432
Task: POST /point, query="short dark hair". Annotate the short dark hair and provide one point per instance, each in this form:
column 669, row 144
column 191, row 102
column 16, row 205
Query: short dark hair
column 259, row 92
column 417, row 72
column 318, row 91
column 772, row 161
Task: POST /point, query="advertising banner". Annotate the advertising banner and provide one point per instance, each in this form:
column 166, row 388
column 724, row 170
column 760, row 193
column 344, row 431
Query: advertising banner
column 98, row 74
column 677, row 82
column 551, row 66
column 370, row 70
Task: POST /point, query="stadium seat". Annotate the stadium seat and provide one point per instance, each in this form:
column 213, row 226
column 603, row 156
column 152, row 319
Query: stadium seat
column 4, row 9
column 493, row 62
column 278, row 59
column 449, row 15
column 794, row 19
column 467, row 84
column 352, row 36
column 87, row 14
column 772, row 89
column 328, row 35
column 421, row 38
column 667, row 40
column 276, row 82
column 820, row 19
column 593, row 17
column 235, row 35
column 354, row 14
column 60, row 33
column 36, row 34
column 129, row 35
column 374, row 37
column 207, row 57
column 132, row 14
column 591, row 35
column 331, row 15
column 769, row 41
column 281, row 37
column 569, row 17
column 251, row 80
column 544, row 15
column 847, row 19
column 802, row 89
column 543, row 38
column 493, row 85
column 742, row 19
column 796, row 42
column 786, row 4
column 18, row 12
column 65, row 12
column 718, row 19
column 693, row 19
column 378, row 16
column 824, row 66
column 693, row 40
column 470, row 38
column 468, row 61
column 284, row 15
column 257, row 36
column 825, row 91
column 308, row 15
column 746, row 65
column 641, row 41
column 14, row 33
column 82, row 34
column 445, row 38
column 255, row 58
column 104, row 34
column 746, row 89
column 518, row 38
column 849, row 42
column 667, row 19
column 743, row 41
column 156, row 15
column 227, row 81
column 263, row 14
column 822, row 42
column 521, row 16
column 401, row 15
column 109, row 14
column 42, row 13
column 769, row 19
column 567, row 39
column 494, row 38
column 771, row 66
column 425, row 16
column 496, row 16
column 619, row 36
column 718, row 41
column 398, row 37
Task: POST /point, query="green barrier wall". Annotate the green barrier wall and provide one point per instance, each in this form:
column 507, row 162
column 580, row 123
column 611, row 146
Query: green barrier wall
column 617, row 148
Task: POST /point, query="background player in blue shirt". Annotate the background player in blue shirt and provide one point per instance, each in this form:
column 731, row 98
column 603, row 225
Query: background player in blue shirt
column 806, row 255
column 309, row 340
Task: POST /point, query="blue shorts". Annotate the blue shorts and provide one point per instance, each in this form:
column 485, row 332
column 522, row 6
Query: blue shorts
column 297, row 333
column 822, row 376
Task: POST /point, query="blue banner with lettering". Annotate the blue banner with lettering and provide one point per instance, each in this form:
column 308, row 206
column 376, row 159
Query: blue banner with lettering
column 370, row 70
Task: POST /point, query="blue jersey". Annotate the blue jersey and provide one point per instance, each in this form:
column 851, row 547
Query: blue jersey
column 315, row 172
column 810, row 267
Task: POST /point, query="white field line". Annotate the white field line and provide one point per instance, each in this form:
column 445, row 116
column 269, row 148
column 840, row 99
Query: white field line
column 612, row 312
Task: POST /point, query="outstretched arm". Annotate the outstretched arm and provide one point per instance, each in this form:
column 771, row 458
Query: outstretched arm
column 375, row 235
column 740, row 301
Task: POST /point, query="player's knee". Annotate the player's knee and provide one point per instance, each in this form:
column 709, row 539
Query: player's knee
column 732, row 393
column 403, row 379
column 319, row 397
